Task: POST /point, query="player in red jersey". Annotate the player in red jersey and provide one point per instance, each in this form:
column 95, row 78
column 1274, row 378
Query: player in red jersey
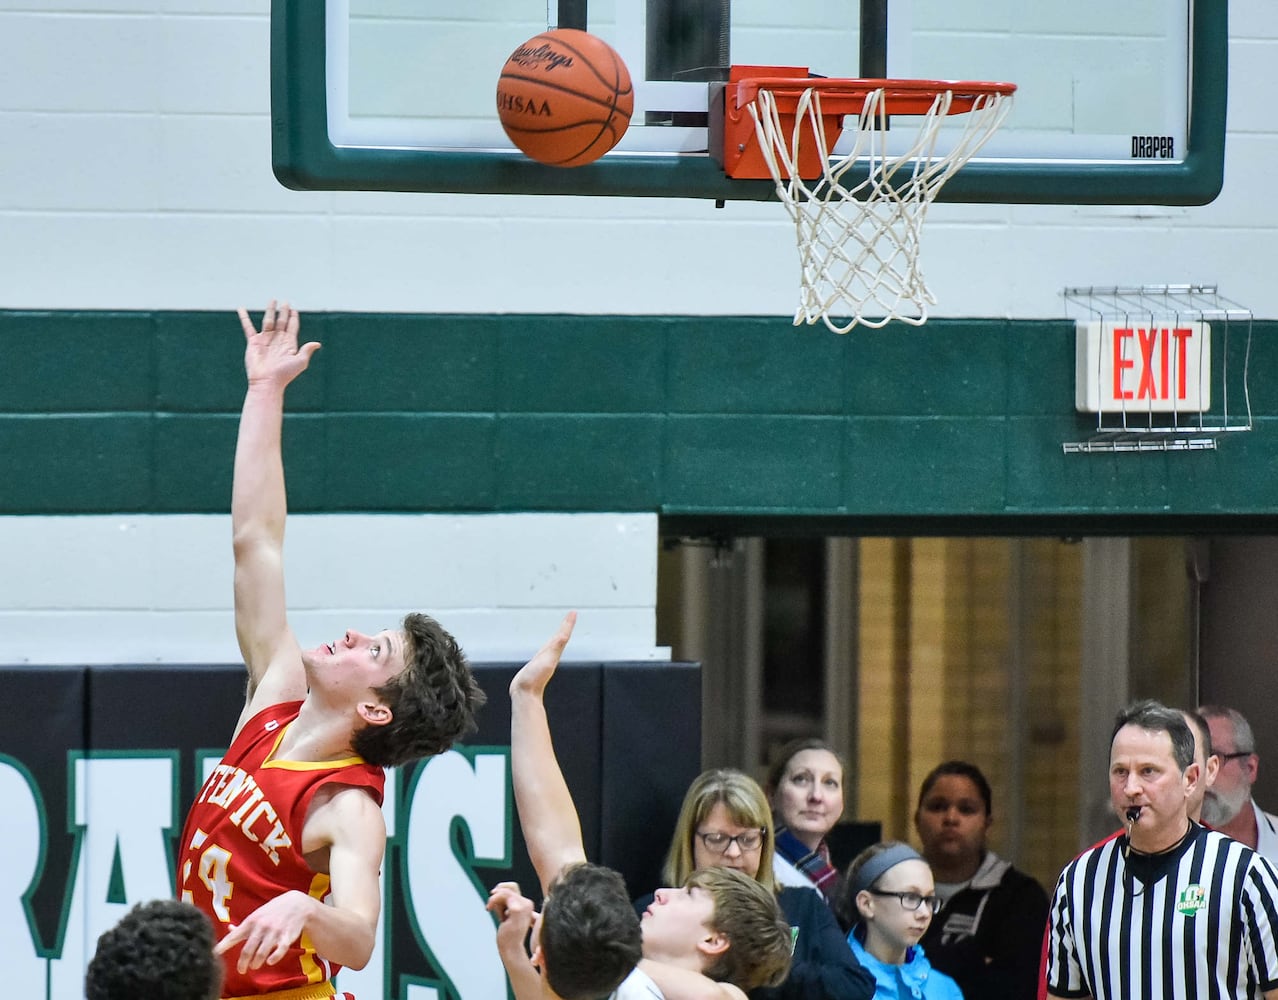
column 284, row 842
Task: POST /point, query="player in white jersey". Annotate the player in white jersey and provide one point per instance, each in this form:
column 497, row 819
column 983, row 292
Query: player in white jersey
column 713, row 938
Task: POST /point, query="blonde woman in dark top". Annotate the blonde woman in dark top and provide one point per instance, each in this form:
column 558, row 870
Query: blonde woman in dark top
column 725, row 822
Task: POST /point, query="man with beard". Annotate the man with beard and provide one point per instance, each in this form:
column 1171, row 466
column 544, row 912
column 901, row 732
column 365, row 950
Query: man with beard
column 1228, row 806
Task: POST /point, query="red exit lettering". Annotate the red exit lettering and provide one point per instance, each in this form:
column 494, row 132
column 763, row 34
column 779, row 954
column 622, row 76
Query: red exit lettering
column 1153, row 350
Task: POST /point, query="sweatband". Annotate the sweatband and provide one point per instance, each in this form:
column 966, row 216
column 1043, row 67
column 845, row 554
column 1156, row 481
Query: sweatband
column 875, row 868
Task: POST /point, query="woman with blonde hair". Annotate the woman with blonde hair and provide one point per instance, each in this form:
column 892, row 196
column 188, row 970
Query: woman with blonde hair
column 725, row 822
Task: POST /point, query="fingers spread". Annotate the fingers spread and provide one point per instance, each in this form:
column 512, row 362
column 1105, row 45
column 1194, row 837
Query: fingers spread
column 233, row 937
column 277, row 953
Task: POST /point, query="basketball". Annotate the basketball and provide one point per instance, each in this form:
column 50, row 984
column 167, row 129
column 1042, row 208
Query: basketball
column 565, row 97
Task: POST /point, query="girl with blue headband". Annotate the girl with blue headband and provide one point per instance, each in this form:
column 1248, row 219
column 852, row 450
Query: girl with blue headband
column 891, row 899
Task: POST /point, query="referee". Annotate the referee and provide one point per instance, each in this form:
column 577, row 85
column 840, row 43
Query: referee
column 1167, row 909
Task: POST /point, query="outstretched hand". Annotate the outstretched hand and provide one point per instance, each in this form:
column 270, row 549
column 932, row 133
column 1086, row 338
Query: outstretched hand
column 534, row 675
column 271, row 354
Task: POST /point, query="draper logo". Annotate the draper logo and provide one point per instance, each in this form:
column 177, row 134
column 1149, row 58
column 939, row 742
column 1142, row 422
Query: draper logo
column 453, row 818
column 1153, row 147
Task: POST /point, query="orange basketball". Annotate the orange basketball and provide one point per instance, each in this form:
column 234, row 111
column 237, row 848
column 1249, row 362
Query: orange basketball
column 565, row 97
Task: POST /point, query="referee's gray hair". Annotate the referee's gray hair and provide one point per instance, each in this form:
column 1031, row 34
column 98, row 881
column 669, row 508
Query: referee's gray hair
column 1158, row 718
column 1244, row 738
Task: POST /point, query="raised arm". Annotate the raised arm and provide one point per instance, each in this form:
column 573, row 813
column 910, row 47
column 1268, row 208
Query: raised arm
column 272, row 359
column 547, row 815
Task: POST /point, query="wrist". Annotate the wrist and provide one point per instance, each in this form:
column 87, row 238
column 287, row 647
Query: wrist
column 266, row 385
column 309, row 905
column 512, row 952
column 529, row 684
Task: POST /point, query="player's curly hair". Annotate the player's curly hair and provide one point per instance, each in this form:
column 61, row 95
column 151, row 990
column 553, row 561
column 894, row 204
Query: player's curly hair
column 161, row 950
column 433, row 700
column 590, row 935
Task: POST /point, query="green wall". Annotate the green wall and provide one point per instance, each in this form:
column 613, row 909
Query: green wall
column 731, row 421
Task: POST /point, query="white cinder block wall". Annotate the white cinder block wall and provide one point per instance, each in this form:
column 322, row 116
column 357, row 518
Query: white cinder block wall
column 135, row 173
column 158, row 589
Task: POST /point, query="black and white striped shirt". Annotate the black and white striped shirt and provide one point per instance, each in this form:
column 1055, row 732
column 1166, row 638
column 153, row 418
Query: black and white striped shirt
column 1203, row 926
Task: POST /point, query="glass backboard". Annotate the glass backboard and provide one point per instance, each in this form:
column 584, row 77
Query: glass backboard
column 1116, row 103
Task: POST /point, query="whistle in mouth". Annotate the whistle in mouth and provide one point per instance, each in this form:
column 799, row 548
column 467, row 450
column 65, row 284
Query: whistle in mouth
column 1133, row 814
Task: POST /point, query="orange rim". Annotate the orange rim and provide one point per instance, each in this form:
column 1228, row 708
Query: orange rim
column 847, row 95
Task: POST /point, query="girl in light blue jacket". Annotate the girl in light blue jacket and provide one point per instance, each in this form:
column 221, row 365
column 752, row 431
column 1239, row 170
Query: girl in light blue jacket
column 891, row 897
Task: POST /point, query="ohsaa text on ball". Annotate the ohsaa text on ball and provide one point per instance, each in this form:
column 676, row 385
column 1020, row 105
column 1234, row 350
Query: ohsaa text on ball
column 517, row 103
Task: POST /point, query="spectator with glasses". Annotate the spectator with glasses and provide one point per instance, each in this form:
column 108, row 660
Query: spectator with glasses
column 891, row 897
column 725, row 822
column 1228, row 805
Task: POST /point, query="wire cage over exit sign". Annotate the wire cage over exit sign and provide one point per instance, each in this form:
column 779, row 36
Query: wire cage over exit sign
column 1163, row 367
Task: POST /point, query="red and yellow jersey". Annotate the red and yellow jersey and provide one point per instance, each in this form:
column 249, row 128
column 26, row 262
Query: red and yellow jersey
column 242, row 843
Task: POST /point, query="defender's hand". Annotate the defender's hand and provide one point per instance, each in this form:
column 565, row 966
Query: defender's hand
column 534, row 675
column 516, row 917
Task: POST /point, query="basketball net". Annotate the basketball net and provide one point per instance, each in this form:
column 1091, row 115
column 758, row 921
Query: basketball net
column 859, row 245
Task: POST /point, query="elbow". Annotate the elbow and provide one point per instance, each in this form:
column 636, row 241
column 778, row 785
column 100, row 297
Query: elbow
column 255, row 546
column 360, row 955
column 350, row 944
column 247, row 539
column 244, row 540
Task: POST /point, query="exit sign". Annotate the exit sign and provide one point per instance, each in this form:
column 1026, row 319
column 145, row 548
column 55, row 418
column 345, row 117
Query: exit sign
column 1142, row 367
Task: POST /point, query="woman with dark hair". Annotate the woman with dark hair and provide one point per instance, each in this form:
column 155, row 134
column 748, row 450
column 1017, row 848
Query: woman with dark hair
column 891, row 900
column 989, row 932
column 725, row 822
column 805, row 785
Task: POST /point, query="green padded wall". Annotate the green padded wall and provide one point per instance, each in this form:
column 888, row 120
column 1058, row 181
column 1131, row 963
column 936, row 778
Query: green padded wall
column 954, row 427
